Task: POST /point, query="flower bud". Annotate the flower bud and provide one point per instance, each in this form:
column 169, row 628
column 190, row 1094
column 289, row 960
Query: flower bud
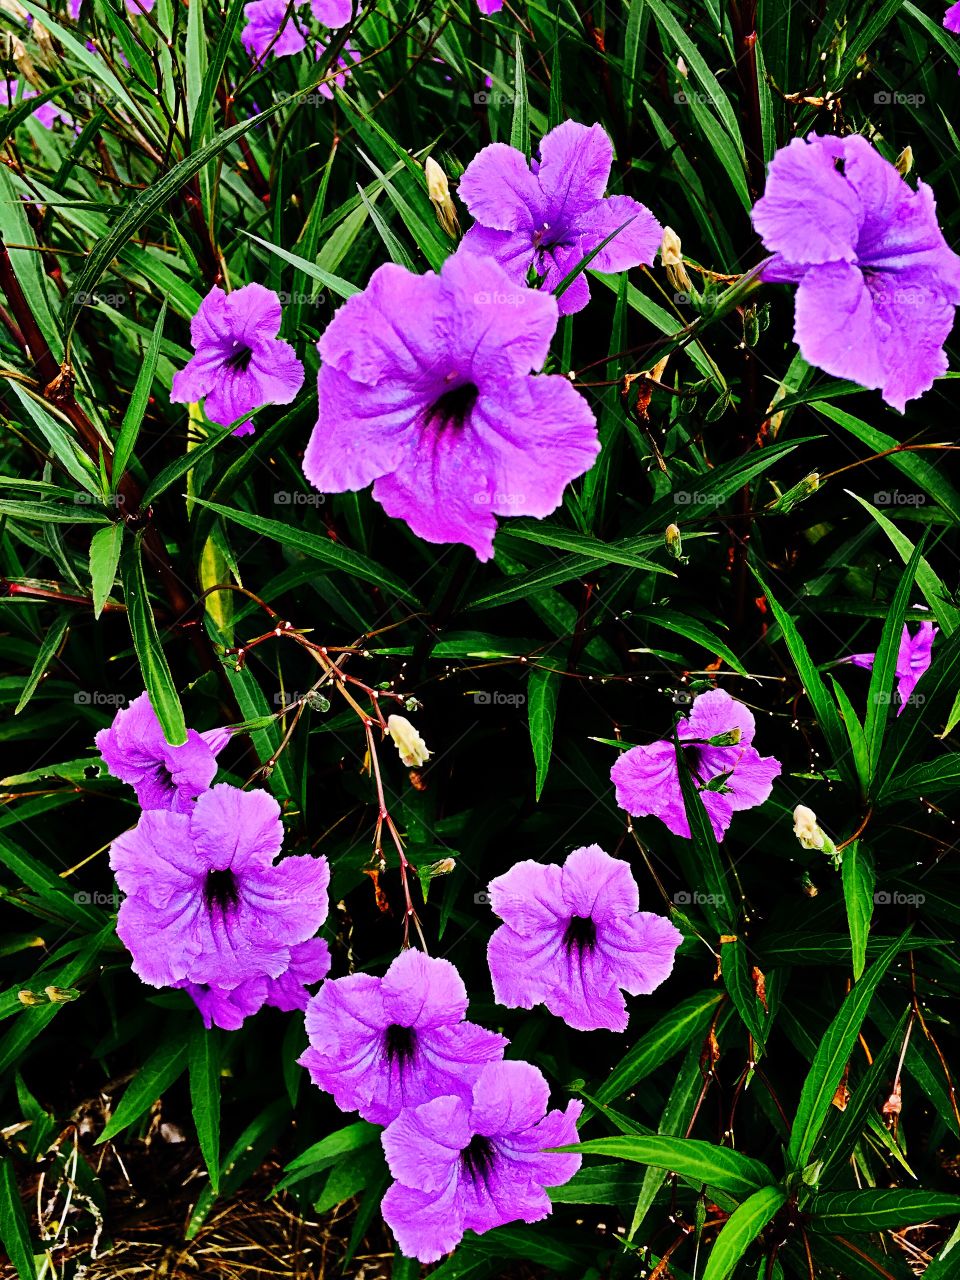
column 671, row 259
column 30, row 998
column 729, row 739
column 412, row 748
column 904, row 161
column 438, row 189
column 673, row 542
column 811, row 835
column 793, row 497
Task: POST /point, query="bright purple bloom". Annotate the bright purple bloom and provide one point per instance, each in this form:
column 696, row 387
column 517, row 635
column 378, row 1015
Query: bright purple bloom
column 46, row 114
column 462, row 1167
column 425, row 388
column 240, row 363
column 878, row 284
column 573, row 936
column 951, row 19
column 332, row 13
column 229, row 1007
column 133, row 6
column 550, row 219
column 265, row 19
column 648, row 781
column 135, row 750
column 382, row 1044
column 348, row 56
column 488, row 7
column 913, row 658
column 207, row 901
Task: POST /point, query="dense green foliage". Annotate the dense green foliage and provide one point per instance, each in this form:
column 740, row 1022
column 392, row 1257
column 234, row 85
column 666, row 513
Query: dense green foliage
column 139, row 546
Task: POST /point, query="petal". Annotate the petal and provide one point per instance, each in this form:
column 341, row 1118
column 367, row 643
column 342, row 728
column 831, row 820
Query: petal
column 210, row 326
column 421, row 991
column 529, row 1148
column 586, row 995
column 536, row 435
column 276, row 370
column 524, row 968
column 505, row 1194
column 809, row 212
column 639, row 951
column 714, row 713
column 512, row 250
column 751, row 782
column 637, row 242
column 361, row 431
column 253, row 314
column 951, row 19
column 558, row 263
column 309, row 964
column 332, row 13
column 500, row 191
column 423, row 1144
column 910, row 324
column 529, row 897
column 236, row 830
column 834, row 324
column 290, row 899
column 508, row 1097
column 647, row 783
column 574, row 168
column 156, row 860
column 598, row 887
column 426, row 1225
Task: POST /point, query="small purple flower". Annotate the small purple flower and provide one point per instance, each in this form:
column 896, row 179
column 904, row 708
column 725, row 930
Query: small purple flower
column 381, row 1044
column 135, row 750
column 240, row 363
column 347, row 57
column 425, row 389
column 729, row 774
column 877, row 283
column 229, row 1007
column 207, row 901
column 273, row 25
column 552, row 218
column 913, row 658
column 488, row 7
column 332, row 13
column 46, row 114
column 951, row 19
column 462, row 1167
column 573, row 936
column 133, row 7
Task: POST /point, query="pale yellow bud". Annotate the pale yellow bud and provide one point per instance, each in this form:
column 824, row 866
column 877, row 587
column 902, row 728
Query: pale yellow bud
column 438, row 189
column 671, row 258
column 412, row 748
column 805, row 828
column 904, row 161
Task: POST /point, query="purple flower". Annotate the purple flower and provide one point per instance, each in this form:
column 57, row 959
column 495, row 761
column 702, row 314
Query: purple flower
column 229, row 1007
column 487, row 7
column 462, row 1165
column 951, row 19
column 878, row 283
column 206, row 900
column 347, row 57
column 549, row 220
column 913, row 658
column 332, row 13
column 425, row 388
column 135, row 750
column 729, row 774
column 133, row 6
column 46, row 114
column 271, row 24
column 573, row 936
column 381, row 1044
column 240, row 363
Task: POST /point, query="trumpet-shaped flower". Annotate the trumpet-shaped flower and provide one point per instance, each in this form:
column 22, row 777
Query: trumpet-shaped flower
column 913, row 658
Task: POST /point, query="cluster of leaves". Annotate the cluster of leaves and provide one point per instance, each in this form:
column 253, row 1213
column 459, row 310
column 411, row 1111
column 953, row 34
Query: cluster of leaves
column 785, row 1105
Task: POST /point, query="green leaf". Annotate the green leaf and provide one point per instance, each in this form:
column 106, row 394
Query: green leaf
column 884, row 673
column 201, row 112
column 104, row 557
column 736, row 979
column 520, row 126
column 244, row 1158
column 157, row 678
column 730, row 1171
column 48, row 647
column 137, row 406
column 204, row 1063
column 543, row 689
column 162, row 1067
column 684, row 1024
column 717, row 899
column 870, row 1210
column 859, row 882
column 324, row 550
column 740, row 1230
column 833, row 1052
column 13, row 1224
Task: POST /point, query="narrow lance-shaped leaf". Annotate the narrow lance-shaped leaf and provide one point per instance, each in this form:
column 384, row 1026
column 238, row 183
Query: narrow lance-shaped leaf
column 543, row 688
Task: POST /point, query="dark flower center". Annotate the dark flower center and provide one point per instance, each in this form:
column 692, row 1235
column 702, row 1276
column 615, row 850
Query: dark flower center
column 454, row 407
column 165, row 778
column 240, row 360
column 400, row 1043
column 581, row 934
column 694, row 761
column 220, row 890
column 477, row 1158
